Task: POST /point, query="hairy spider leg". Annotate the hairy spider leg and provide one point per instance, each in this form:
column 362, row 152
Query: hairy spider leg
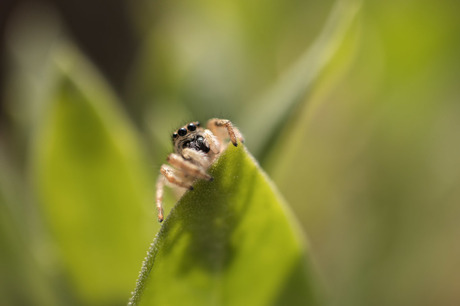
column 171, row 175
column 190, row 169
column 159, row 197
column 213, row 141
column 233, row 132
column 198, row 157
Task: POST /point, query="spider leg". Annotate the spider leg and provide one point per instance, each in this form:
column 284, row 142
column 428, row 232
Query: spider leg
column 233, row 132
column 187, row 167
column 198, row 157
column 159, row 197
column 170, row 174
column 213, row 142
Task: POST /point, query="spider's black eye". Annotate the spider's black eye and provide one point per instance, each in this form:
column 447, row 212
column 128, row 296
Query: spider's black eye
column 182, row 132
column 174, row 135
column 191, row 127
column 197, row 123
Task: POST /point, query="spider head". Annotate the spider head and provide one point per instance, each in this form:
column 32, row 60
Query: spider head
column 190, row 136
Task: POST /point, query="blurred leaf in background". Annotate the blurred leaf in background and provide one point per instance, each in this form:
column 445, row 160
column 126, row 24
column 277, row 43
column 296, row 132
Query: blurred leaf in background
column 23, row 280
column 91, row 179
column 87, row 167
column 379, row 171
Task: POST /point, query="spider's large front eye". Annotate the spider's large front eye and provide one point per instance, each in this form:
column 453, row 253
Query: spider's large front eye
column 182, row 132
column 191, row 127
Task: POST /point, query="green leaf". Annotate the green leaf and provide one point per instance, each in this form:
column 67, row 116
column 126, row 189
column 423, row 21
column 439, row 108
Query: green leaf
column 279, row 104
column 90, row 177
column 20, row 269
column 228, row 242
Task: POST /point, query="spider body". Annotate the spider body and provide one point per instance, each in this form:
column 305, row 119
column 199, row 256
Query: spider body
column 195, row 150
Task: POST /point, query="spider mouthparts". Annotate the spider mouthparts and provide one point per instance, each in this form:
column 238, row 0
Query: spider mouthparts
column 235, row 144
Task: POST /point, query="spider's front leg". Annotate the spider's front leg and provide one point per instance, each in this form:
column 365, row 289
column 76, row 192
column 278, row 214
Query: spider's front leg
column 170, row 174
column 187, row 167
column 199, row 158
column 215, row 123
column 174, row 178
column 214, row 144
column 159, row 197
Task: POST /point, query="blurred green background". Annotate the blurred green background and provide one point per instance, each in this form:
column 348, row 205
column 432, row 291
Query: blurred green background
column 351, row 107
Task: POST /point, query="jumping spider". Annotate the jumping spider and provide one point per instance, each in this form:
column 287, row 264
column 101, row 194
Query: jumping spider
column 195, row 150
